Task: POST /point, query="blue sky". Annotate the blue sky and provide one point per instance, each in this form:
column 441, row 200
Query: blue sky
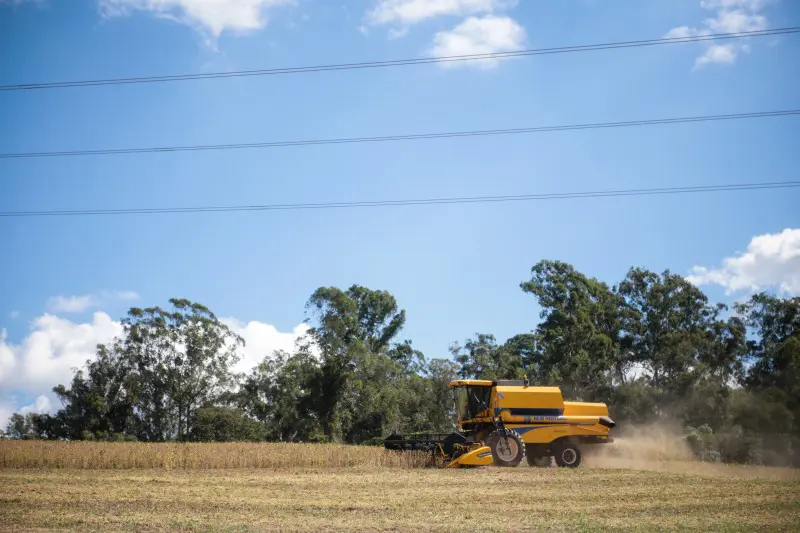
column 455, row 269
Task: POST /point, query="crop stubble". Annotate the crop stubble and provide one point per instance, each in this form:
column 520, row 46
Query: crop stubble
column 366, row 489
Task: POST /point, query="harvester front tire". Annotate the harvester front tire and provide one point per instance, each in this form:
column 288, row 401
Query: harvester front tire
column 507, row 447
column 568, row 455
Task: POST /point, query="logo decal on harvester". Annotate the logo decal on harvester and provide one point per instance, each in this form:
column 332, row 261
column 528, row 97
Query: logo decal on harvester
column 501, row 395
column 543, row 418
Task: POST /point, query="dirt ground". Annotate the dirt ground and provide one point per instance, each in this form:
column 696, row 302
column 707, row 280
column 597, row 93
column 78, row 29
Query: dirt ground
column 397, row 499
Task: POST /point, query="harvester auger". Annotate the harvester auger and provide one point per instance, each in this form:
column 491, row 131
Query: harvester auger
column 501, row 422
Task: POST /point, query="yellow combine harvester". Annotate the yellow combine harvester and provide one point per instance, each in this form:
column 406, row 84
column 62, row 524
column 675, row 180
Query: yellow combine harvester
column 502, row 422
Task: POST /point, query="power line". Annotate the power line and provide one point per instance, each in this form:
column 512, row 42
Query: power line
column 400, row 62
column 394, row 203
column 406, row 137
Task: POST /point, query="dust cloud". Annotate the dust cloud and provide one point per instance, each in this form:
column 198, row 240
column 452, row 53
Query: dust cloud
column 661, row 448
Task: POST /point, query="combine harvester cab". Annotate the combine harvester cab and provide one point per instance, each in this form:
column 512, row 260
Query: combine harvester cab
column 508, row 420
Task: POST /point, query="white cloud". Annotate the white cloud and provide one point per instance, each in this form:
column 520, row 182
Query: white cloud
column 479, row 36
column 718, row 53
column 406, row 12
column 736, row 21
column 208, row 16
column 41, row 405
column 398, row 33
column 484, row 30
column 8, row 406
column 56, row 346
column 682, row 32
column 262, row 340
column 13, row 314
column 81, row 303
column 770, row 261
column 71, row 304
column 120, row 295
column 50, row 352
column 7, row 358
column 731, row 16
column 753, row 5
column 6, row 410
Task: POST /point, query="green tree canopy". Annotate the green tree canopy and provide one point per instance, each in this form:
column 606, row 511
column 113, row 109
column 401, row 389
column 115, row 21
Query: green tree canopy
column 150, row 381
column 579, row 338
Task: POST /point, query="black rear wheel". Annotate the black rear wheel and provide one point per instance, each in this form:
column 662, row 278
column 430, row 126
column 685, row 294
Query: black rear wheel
column 507, row 447
column 568, row 454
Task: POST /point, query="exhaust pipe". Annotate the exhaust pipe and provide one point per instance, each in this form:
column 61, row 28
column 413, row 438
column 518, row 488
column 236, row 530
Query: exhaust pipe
column 607, row 422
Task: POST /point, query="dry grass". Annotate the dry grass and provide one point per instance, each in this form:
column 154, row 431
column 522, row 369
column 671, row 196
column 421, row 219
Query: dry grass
column 381, row 499
column 193, row 456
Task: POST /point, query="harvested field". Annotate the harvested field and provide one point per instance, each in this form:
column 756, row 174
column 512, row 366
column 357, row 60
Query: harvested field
column 367, row 495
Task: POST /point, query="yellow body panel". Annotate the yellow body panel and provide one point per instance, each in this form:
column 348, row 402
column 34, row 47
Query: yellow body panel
column 481, row 456
column 509, row 397
column 546, row 433
column 585, row 409
column 471, row 382
column 563, row 420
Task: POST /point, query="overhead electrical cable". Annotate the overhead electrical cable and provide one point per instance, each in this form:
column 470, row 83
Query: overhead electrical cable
column 395, row 203
column 405, row 137
column 401, row 62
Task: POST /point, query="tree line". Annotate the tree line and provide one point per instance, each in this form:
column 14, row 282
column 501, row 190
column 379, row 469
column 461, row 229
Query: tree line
column 653, row 347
